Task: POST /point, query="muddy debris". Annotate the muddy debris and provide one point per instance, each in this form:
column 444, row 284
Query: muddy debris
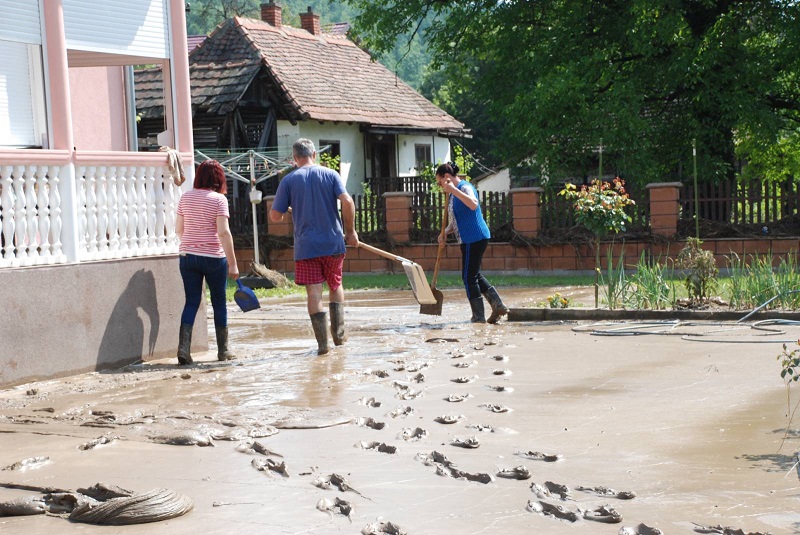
column 99, row 441
column 372, row 423
column 502, row 371
column 604, row 513
column 264, row 465
column 258, row 447
column 465, row 379
column 30, row 462
column 482, row 428
column 463, row 365
column 408, row 394
column 336, row 506
column 376, row 446
column 383, row 528
column 445, row 467
column 455, row 398
column 500, row 388
column 25, row 506
column 440, row 340
column 418, row 378
column 641, row 529
column 401, row 411
column 186, row 438
column 549, row 509
column 103, row 492
column 724, row 530
column 469, row 443
column 518, row 472
column 499, row 358
column 605, row 491
column 448, row 418
column 496, row 408
column 336, row 481
column 550, row 490
column 380, row 373
column 370, row 402
column 539, row 456
column 417, row 366
column 412, row 435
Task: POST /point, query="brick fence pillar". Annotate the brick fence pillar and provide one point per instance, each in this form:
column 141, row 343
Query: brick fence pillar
column 526, row 210
column 282, row 228
column 398, row 215
column 664, row 207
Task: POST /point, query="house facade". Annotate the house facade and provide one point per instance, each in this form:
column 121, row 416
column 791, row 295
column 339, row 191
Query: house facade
column 88, row 265
column 261, row 84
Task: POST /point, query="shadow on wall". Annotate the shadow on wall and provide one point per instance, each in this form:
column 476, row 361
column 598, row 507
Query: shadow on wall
column 124, row 338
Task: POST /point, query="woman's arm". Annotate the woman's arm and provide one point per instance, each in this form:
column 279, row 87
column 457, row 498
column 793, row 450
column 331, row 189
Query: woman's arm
column 224, row 233
column 179, row 226
column 467, row 197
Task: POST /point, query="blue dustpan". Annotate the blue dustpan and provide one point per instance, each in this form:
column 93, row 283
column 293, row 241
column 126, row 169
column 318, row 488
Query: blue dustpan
column 246, row 298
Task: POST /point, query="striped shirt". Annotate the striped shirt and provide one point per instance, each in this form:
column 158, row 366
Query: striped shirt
column 200, row 209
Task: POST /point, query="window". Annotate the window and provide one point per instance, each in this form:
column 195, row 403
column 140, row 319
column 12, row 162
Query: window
column 22, row 115
column 331, row 157
column 422, row 157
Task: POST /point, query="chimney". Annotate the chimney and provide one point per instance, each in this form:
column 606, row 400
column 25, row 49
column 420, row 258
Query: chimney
column 310, row 22
column 271, row 13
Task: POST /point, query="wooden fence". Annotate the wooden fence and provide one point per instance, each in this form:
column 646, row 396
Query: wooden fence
column 741, row 202
column 557, row 211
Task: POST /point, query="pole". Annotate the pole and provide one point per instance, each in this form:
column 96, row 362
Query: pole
column 696, row 218
column 253, row 205
column 600, row 169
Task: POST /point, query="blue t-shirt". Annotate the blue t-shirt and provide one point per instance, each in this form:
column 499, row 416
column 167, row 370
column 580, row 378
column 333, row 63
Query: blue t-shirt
column 470, row 226
column 312, row 193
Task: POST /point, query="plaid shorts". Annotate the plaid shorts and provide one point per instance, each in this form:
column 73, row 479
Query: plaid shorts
column 320, row 269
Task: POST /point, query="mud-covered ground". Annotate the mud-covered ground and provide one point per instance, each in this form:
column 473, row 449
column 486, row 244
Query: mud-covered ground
column 691, row 421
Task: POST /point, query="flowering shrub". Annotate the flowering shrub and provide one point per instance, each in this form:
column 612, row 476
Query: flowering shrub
column 600, row 206
column 558, row 301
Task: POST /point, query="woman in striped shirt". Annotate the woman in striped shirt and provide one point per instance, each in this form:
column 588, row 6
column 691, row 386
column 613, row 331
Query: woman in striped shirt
column 206, row 252
column 472, row 233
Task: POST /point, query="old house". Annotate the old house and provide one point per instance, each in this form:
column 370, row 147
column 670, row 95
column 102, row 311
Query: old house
column 260, row 83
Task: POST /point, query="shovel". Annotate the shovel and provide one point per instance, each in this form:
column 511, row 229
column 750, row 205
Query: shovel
column 436, row 308
column 416, row 277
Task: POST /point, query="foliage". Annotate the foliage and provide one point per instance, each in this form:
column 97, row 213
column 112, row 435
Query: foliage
column 461, row 158
column 368, row 218
column 701, row 270
column 600, row 206
column 650, row 287
column 753, row 284
column 558, row 301
column 645, row 77
column 790, row 364
column 329, row 161
column 615, row 284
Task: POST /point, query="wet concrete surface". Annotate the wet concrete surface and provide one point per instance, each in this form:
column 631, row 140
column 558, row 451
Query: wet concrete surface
column 695, row 429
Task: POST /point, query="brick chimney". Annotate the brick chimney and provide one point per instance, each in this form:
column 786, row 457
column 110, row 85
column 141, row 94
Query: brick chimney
column 310, row 22
column 271, row 13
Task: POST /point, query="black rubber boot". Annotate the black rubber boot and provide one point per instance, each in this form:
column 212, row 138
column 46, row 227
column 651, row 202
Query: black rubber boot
column 337, row 323
column 222, row 344
column 498, row 308
column 185, row 344
column 320, row 323
column 478, row 315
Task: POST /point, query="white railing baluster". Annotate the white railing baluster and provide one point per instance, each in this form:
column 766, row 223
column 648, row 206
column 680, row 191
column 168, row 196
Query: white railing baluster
column 159, row 209
column 102, row 211
column 141, row 200
column 122, row 208
column 91, row 211
column 20, row 218
column 151, row 209
column 83, row 216
column 113, row 212
column 7, row 210
column 31, row 217
column 55, row 212
column 42, row 201
column 133, row 216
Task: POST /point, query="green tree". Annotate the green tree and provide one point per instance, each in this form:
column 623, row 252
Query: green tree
column 646, row 77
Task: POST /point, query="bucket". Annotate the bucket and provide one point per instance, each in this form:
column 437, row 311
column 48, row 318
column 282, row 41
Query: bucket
column 246, row 298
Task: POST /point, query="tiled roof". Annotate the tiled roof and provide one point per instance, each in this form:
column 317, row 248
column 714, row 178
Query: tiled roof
column 323, row 78
column 193, row 41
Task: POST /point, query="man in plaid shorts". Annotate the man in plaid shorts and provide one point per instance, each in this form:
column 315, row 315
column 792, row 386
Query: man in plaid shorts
column 311, row 192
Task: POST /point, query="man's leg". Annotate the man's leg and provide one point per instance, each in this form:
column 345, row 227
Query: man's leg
column 319, row 319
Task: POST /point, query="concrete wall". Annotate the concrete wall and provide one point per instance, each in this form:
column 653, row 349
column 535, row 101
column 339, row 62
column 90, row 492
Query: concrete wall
column 62, row 320
column 500, row 181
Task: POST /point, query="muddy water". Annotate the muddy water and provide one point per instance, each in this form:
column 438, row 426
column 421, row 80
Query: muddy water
column 694, row 429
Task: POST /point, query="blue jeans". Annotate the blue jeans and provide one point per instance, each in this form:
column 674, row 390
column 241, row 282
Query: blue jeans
column 194, row 269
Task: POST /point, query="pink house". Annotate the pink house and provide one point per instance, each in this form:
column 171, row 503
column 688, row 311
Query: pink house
column 88, row 269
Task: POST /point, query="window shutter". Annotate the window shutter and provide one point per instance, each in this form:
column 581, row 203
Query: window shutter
column 19, row 22
column 16, row 103
column 127, row 27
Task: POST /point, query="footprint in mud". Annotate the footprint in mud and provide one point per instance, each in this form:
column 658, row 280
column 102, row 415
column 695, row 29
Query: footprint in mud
column 376, row 446
column 408, row 394
column 417, row 366
column 413, row 435
column 250, row 446
column 99, row 441
column 371, row 423
column 464, row 379
column 439, row 340
column 263, row 465
column 401, row 412
column 455, row 398
column 504, row 371
column 539, row 456
column 605, row 491
column 518, row 472
column 448, row 418
column 370, row 402
column 383, row 528
column 496, row 408
column 470, row 443
column 500, row 388
column 380, row 373
column 465, row 364
column 699, row 528
column 445, row 467
column 604, row 513
column 336, row 506
column 418, row 378
column 334, row 480
column 551, row 490
column 499, row 358
column 29, row 463
column 641, row 529
column 554, row 510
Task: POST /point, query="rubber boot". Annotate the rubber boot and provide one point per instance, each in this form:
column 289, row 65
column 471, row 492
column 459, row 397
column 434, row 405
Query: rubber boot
column 498, row 308
column 478, row 315
column 337, row 323
column 222, row 344
column 320, row 323
column 185, row 344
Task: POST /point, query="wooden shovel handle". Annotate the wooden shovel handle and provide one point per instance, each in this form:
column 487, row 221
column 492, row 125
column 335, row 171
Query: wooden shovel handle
column 441, row 245
column 382, row 253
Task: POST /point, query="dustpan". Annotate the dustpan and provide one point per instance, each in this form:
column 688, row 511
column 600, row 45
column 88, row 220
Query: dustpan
column 416, row 276
column 246, row 298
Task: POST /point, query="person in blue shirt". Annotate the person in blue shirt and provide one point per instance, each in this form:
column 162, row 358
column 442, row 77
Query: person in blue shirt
column 311, row 193
column 471, row 232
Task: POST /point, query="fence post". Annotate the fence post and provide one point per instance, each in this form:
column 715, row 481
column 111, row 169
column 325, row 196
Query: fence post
column 664, row 207
column 526, row 210
column 282, row 228
column 398, row 215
